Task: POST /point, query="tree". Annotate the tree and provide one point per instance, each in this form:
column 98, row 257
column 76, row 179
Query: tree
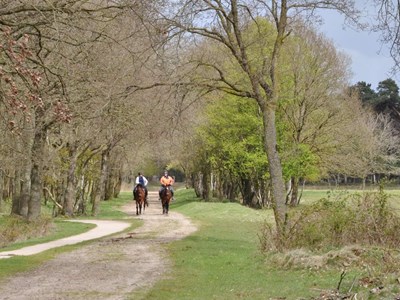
column 367, row 95
column 313, row 104
column 388, row 99
column 233, row 145
column 223, row 22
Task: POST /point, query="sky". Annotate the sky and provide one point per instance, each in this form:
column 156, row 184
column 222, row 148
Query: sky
column 371, row 61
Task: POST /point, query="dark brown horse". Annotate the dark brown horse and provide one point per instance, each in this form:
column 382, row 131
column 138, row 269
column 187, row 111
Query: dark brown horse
column 140, row 198
column 166, row 196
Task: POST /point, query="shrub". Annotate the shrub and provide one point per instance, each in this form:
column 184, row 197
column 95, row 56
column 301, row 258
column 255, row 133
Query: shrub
column 363, row 219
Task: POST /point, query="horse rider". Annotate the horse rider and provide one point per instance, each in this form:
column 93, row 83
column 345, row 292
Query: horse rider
column 165, row 181
column 140, row 179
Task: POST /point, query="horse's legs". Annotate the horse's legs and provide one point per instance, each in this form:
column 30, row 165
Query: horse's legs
column 137, row 209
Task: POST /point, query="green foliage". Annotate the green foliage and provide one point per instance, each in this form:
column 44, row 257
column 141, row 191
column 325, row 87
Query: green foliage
column 233, row 136
column 388, row 96
column 259, row 38
column 301, row 162
column 89, row 165
column 385, row 99
column 367, row 95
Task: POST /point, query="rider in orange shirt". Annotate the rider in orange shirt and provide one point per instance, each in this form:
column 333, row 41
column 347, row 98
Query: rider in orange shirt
column 166, row 181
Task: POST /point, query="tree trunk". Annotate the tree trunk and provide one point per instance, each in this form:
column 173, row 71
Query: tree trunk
column 109, row 184
column 288, row 187
column 101, row 186
column 70, row 191
column 229, row 190
column 1, row 189
column 301, row 192
column 197, row 184
column 26, row 148
column 81, row 195
column 294, row 200
column 117, row 184
column 16, row 193
column 247, row 192
column 206, row 185
column 275, row 170
column 25, row 189
column 265, row 192
column 34, row 205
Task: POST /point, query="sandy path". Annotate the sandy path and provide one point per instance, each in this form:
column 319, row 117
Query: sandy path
column 109, row 268
column 103, row 228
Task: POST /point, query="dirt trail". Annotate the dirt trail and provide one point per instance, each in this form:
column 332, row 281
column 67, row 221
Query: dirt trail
column 109, row 268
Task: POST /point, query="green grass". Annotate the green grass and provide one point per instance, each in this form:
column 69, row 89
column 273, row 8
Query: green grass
column 222, row 259
column 111, row 209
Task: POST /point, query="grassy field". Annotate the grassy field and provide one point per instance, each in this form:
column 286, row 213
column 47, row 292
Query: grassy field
column 222, row 260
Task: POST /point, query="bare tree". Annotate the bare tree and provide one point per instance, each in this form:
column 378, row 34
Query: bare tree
column 47, row 38
column 389, row 25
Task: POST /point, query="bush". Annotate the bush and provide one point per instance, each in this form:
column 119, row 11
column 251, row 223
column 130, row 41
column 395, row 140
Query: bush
column 363, row 219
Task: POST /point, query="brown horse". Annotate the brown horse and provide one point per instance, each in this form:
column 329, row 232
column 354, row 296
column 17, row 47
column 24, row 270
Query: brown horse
column 166, row 196
column 140, row 198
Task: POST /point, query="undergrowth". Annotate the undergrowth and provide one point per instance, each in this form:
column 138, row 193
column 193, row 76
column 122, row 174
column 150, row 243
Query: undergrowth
column 353, row 232
column 364, row 219
column 15, row 229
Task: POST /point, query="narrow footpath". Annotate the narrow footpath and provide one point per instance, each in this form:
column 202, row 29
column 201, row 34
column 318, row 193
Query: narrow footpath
column 103, row 228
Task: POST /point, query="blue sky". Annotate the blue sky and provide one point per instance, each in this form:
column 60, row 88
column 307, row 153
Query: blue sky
column 370, row 59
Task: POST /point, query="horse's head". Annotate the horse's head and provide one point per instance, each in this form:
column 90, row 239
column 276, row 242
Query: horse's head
column 166, row 192
column 140, row 190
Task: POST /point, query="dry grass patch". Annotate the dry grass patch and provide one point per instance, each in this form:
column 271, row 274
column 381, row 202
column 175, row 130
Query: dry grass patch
column 17, row 229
